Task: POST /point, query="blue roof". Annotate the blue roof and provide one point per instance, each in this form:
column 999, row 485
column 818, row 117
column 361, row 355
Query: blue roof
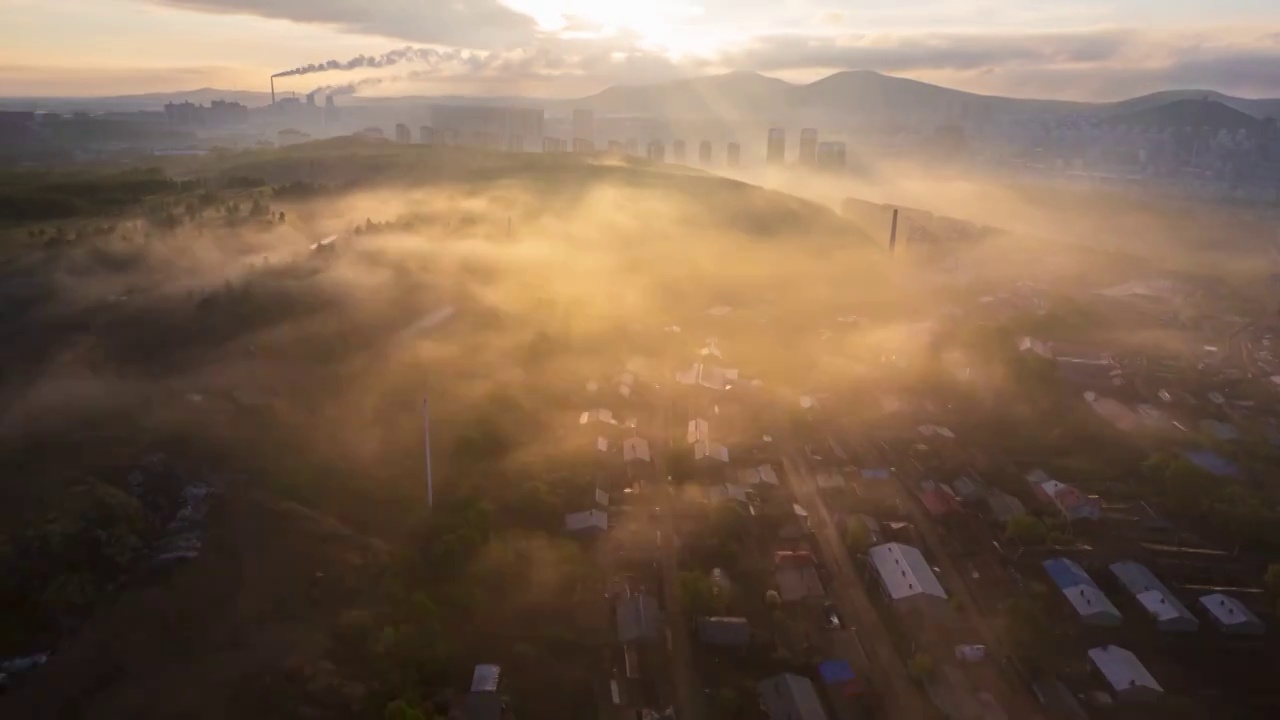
column 1213, row 462
column 835, row 672
column 1066, row 574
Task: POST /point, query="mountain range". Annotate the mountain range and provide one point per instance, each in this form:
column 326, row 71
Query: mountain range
column 856, row 94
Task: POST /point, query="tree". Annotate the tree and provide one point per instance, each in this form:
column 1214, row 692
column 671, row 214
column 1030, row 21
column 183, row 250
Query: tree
column 857, row 537
column 1272, row 579
column 281, row 216
column 921, row 666
column 1026, row 530
column 773, row 600
column 700, row 595
column 402, row 710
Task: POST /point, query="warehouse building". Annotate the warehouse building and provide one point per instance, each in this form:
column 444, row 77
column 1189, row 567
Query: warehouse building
column 1082, row 592
column 1169, row 613
column 1127, row 676
column 1231, row 616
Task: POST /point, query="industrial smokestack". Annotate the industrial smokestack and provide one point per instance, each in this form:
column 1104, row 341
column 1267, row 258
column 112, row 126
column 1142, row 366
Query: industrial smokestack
column 273, row 89
column 893, row 232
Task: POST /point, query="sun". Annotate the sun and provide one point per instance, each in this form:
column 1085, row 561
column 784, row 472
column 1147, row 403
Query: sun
column 670, row 27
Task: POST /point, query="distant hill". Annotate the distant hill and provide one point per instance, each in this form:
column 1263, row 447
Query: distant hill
column 129, row 103
column 1258, row 108
column 1189, row 113
column 861, row 94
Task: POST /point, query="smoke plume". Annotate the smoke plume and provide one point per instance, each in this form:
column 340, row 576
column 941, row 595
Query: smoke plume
column 395, row 57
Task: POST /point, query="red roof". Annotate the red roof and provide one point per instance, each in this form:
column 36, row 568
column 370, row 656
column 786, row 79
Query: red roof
column 939, row 502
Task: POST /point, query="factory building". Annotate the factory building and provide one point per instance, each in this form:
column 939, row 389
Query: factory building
column 733, row 155
column 656, row 151
column 583, row 145
column 553, row 145
column 1082, row 592
column 487, row 126
column 776, row 153
column 1169, row 613
column 427, row 135
column 515, row 143
column 704, row 152
column 808, row 146
column 678, row 151
column 402, row 133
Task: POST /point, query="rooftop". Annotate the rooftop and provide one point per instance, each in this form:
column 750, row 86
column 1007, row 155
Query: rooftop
column 587, row 520
column 485, row 678
column 635, row 448
column 1122, row 669
column 1229, row 611
column 790, row 697
column 639, row 618
column 724, row 631
column 1154, row 596
column 904, row 572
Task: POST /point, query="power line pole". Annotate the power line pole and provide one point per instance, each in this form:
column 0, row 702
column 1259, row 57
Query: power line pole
column 426, row 434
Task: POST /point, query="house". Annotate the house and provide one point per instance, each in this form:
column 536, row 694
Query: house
column 904, row 574
column 875, row 474
column 969, row 489
column 797, row 576
column 1069, row 501
column 829, row 479
column 704, row 451
column 485, row 678
column 761, row 474
column 600, row 415
column 1032, row 346
column 639, row 618
column 602, row 498
column 587, row 521
column 1169, row 613
column 731, row 632
column 838, row 676
column 635, row 449
column 796, row 524
column 1126, row 675
column 698, row 430
column 727, row 491
column 1004, row 506
column 790, row 697
column 938, row 499
column 1082, row 592
column 1231, row 616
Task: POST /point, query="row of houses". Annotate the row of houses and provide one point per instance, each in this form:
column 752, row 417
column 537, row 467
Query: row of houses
column 1228, row 614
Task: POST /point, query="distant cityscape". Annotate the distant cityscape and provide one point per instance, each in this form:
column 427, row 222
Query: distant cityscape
column 1200, row 147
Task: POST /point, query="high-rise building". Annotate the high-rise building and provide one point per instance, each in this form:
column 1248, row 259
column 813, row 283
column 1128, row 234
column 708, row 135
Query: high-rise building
column 426, row 135
column 449, row 137
column 831, row 155
column 808, row 146
column 656, row 151
column 777, row 148
column 487, row 126
column 632, row 147
column 677, row 151
column 402, row 133
column 704, row 152
column 583, row 145
column 733, row 154
column 584, row 125
column 615, row 146
column 515, row 143
column 553, row 145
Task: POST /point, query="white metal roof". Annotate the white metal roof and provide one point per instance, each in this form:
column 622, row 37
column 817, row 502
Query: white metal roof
column 697, row 430
column 485, row 678
column 904, row 572
column 1148, row 590
column 760, row 474
column 703, row 449
column 587, row 519
column 1228, row 610
column 829, row 479
column 604, row 415
column 602, row 444
column 1122, row 669
column 728, row 491
column 602, row 497
column 1091, row 602
column 635, row 448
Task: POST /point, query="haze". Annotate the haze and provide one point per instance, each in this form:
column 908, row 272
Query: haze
column 1087, row 51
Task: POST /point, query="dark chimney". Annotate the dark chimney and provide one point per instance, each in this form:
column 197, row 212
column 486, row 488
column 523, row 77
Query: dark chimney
column 893, row 233
column 273, row 89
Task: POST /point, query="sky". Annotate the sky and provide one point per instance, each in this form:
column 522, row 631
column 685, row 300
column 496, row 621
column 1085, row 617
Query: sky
column 1087, row 50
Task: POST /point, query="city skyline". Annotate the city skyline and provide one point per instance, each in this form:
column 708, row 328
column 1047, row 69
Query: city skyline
column 567, row 48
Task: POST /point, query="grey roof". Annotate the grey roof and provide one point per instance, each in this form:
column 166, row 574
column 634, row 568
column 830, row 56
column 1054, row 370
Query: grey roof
column 485, row 678
column 703, row 449
column 1004, row 506
column 586, row 520
column 790, row 697
column 904, row 572
column 1160, row 603
column 639, row 618
column 635, row 448
column 1122, row 669
column 724, row 631
column 1231, row 615
column 797, row 582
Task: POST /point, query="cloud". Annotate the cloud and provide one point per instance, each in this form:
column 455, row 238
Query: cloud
column 458, row 23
